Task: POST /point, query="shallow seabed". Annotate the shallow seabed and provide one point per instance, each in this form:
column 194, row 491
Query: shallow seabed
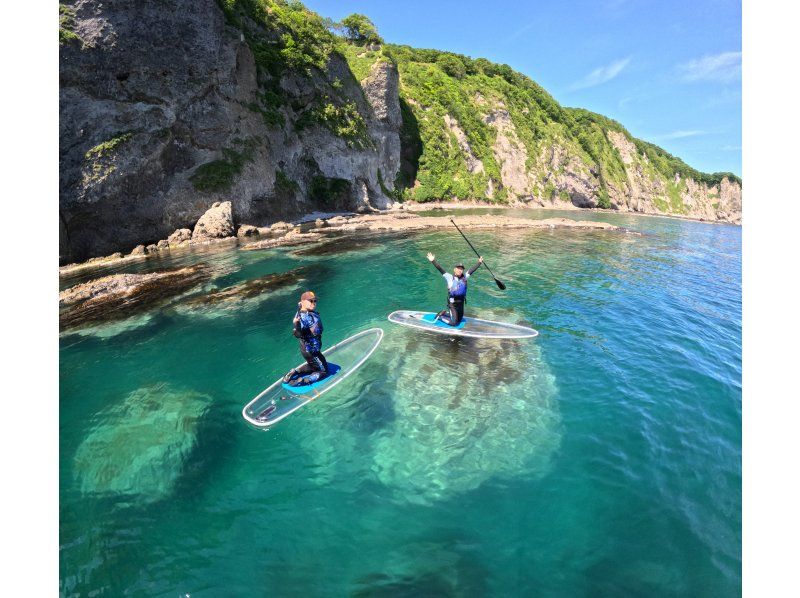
column 602, row 458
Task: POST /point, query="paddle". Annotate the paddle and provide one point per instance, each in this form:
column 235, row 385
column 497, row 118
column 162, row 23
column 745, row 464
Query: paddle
column 500, row 284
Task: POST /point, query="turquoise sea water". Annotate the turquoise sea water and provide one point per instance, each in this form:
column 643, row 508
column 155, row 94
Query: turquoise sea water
column 602, row 458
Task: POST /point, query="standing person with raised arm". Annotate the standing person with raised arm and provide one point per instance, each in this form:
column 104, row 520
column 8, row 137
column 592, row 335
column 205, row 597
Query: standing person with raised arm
column 456, row 290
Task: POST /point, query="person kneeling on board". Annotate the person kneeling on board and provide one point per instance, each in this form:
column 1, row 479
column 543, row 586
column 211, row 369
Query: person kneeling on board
column 308, row 329
column 456, row 290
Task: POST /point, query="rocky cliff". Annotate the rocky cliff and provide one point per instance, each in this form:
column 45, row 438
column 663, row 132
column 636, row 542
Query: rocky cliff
column 488, row 132
column 169, row 106
column 165, row 109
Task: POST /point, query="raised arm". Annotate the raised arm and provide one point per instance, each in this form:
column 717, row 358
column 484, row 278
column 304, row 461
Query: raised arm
column 472, row 270
column 432, row 260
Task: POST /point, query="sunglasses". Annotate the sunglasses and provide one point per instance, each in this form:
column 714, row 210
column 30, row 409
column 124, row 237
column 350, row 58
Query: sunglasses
column 311, row 300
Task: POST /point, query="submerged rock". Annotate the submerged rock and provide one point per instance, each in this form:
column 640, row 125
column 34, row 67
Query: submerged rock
column 244, row 294
column 108, row 330
column 291, row 238
column 446, row 570
column 340, row 245
column 439, row 417
column 141, row 445
column 466, row 411
column 120, row 295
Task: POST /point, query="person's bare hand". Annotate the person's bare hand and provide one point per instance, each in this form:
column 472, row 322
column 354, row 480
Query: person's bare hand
column 480, row 259
column 431, row 257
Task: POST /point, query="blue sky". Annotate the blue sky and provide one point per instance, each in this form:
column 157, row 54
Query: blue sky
column 670, row 72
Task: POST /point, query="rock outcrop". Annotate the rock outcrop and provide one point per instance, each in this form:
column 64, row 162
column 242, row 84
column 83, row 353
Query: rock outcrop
column 121, row 295
column 510, row 154
column 216, row 223
column 474, row 165
column 644, row 192
column 179, row 236
column 247, row 230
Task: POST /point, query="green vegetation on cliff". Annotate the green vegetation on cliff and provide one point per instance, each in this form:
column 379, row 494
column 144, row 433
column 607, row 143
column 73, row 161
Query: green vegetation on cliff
column 437, row 84
column 66, row 25
column 103, row 149
column 359, row 30
column 282, row 34
column 219, row 175
column 100, row 160
column 458, row 113
column 343, row 120
column 287, row 38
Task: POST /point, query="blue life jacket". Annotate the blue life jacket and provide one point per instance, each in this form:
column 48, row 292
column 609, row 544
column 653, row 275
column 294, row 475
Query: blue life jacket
column 458, row 290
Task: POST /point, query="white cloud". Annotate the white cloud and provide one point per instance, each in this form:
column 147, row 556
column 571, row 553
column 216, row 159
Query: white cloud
column 724, row 67
column 521, row 30
column 601, row 74
column 680, row 134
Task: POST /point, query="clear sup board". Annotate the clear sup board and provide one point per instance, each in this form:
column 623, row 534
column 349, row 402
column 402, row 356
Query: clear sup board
column 471, row 327
column 280, row 400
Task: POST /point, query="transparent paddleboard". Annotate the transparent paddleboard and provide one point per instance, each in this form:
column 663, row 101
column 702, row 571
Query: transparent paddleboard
column 276, row 402
column 472, row 327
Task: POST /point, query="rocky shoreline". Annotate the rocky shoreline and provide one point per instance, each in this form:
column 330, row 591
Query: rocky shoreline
column 217, row 226
column 120, row 295
column 412, row 206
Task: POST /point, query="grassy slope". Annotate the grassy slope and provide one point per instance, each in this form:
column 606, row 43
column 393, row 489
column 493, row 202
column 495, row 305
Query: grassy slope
column 436, row 83
column 288, row 38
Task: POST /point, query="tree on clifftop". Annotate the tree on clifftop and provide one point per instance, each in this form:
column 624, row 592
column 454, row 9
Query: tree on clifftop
column 359, row 30
column 451, row 65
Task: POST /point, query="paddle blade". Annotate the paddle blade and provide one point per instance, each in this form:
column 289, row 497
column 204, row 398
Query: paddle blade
column 500, row 284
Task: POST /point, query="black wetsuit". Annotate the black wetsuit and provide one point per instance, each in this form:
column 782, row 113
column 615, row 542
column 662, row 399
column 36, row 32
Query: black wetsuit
column 456, row 294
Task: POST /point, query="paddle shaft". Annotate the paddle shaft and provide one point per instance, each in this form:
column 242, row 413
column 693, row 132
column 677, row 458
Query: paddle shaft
column 499, row 284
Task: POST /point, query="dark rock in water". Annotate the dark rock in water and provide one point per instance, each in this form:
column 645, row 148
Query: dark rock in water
column 249, row 289
column 140, row 447
column 294, row 237
column 444, row 570
column 380, row 586
column 121, row 295
column 339, row 245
